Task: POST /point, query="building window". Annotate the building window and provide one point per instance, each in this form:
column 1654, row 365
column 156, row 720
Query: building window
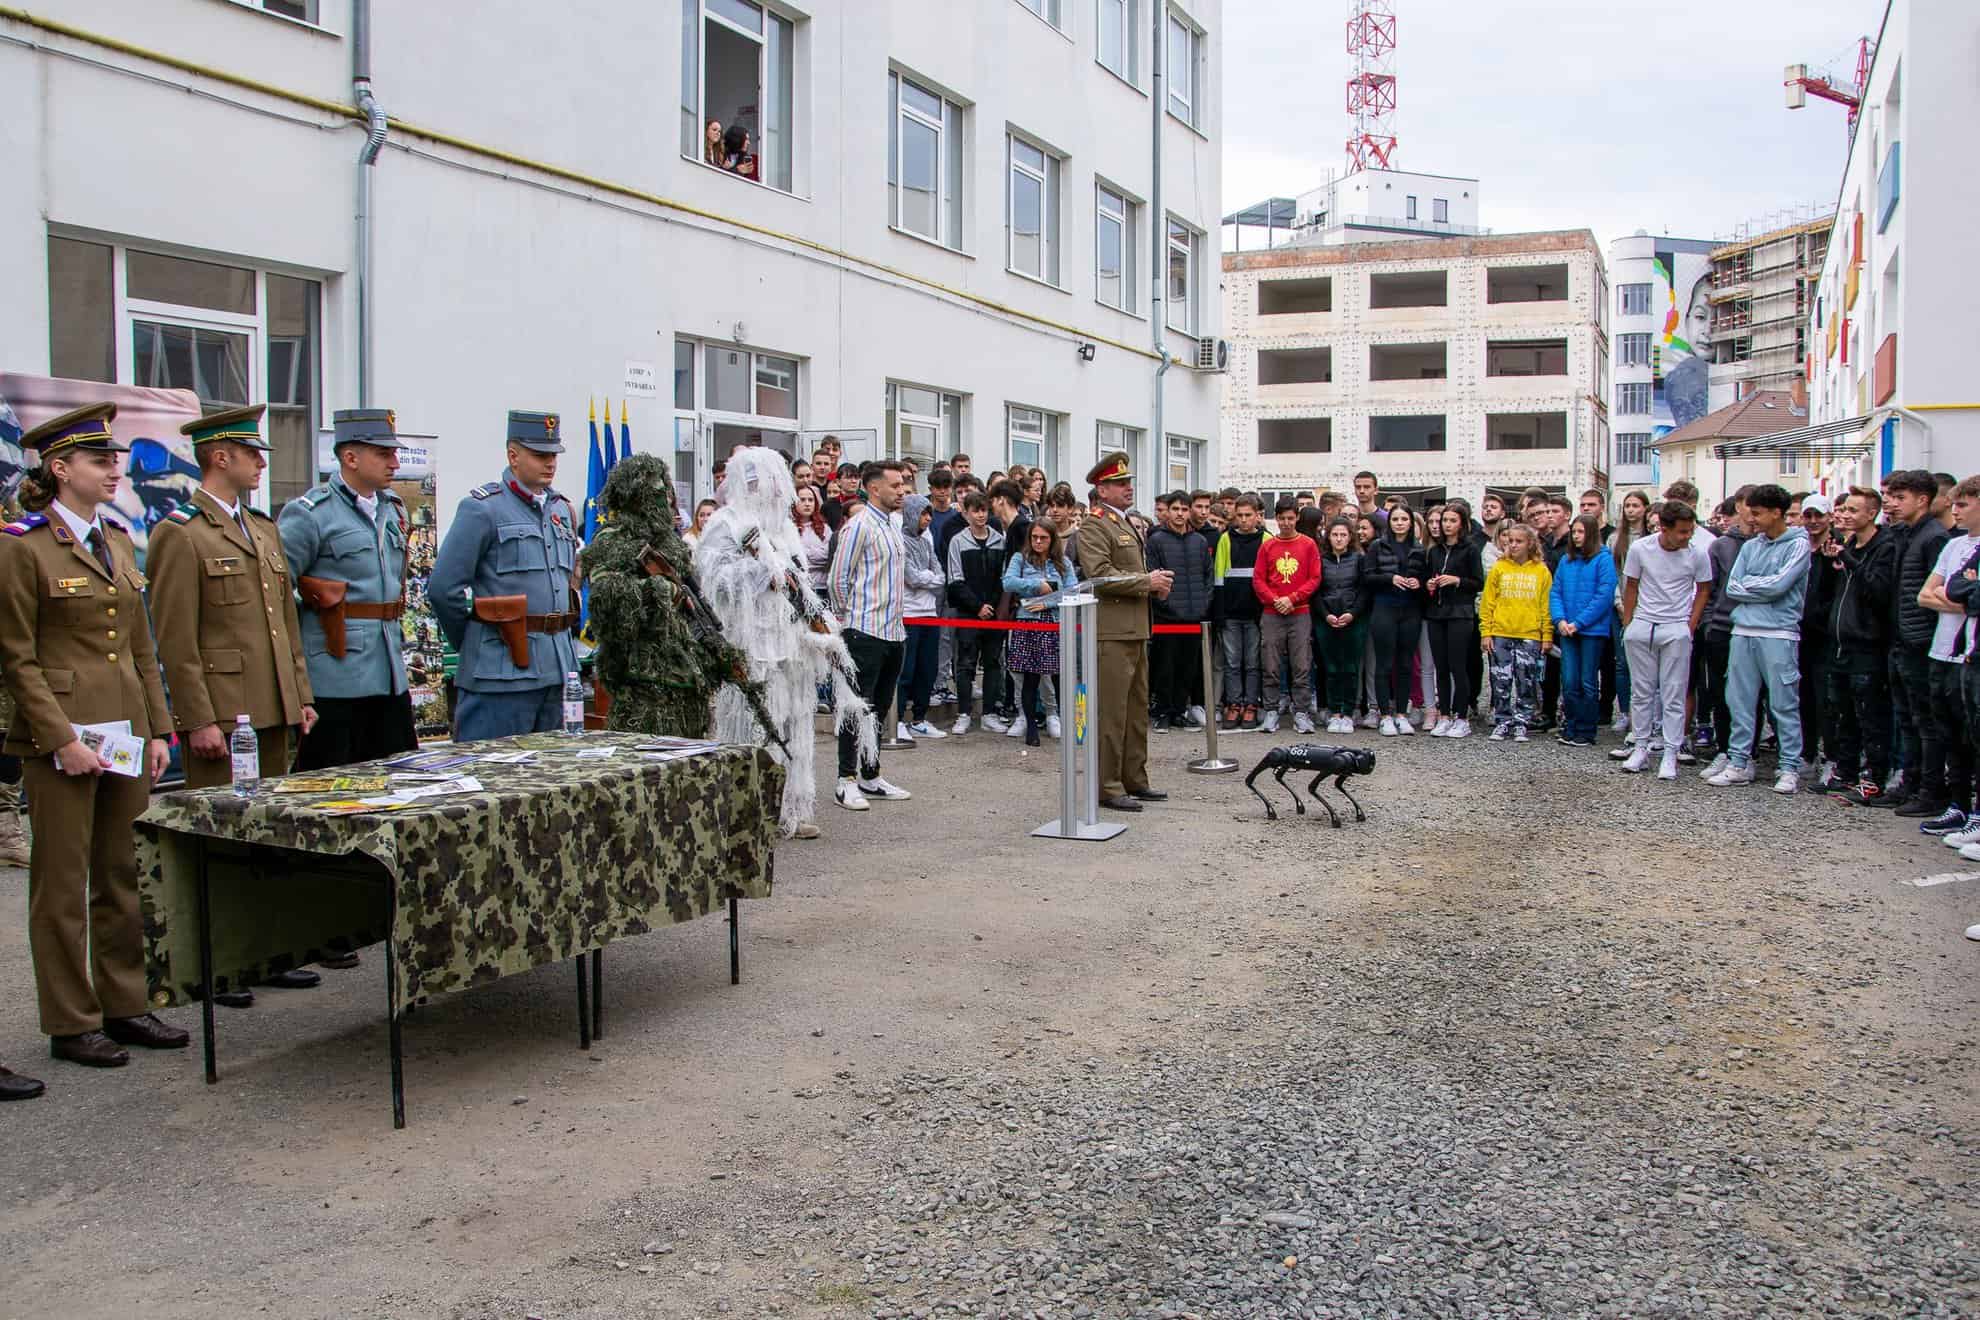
column 1404, row 435
column 1182, row 250
column 1408, row 361
column 741, row 382
column 1790, row 462
column 1410, row 288
column 1033, row 208
column 1526, row 357
column 1632, row 448
column 1185, row 470
column 1111, row 436
column 303, row 11
column 1113, row 232
column 924, row 162
column 1409, row 208
column 230, row 334
column 1295, row 366
column 737, row 70
column 1633, row 349
column 1526, row 431
column 1119, row 22
column 1045, row 9
column 1633, row 396
column 1033, row 438
column 1440, row 210
column 1293, row 297
column 1185, row 71
column 1295, row 435
column 922, row 424
column 1521, row 284
column 1633, row 299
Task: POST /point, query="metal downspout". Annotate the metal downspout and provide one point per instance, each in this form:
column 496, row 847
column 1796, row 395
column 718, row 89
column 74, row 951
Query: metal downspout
column 1158, row 247
column 374, row 141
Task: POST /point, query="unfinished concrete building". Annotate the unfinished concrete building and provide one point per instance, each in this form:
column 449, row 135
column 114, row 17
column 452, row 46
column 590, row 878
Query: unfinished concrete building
column 1763, row 290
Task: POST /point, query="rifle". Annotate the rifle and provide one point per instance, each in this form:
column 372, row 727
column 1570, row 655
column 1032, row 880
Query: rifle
column 808, row 614
column 701, row 623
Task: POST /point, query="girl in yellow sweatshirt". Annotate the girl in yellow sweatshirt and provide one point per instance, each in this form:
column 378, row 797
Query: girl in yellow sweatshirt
column 1517, row 630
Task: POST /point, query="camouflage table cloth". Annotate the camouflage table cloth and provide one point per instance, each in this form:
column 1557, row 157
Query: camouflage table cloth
column 555, row 856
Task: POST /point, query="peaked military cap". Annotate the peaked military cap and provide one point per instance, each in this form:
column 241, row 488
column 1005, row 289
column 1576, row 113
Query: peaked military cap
column 536, row 430
column 81, row 428
column 367, row 426
column 240, row 425
column 1111, row 467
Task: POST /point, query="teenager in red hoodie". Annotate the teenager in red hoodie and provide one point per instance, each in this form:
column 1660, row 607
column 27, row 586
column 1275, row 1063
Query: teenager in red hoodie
column 1285, row 577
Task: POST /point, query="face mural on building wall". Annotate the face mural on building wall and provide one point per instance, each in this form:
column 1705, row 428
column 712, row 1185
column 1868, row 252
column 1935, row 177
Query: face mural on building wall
column 1681, row 352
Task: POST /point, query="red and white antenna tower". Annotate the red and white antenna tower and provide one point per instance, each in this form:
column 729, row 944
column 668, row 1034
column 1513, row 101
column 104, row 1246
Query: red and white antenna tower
column 1371, row 88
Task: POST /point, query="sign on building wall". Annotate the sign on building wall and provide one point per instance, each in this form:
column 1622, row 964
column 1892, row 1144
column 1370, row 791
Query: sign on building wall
column 160, row 473
column 1681, row 349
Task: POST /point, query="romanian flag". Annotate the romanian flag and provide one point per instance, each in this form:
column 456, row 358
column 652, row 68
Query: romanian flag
column 625, row 431
column 611, row 446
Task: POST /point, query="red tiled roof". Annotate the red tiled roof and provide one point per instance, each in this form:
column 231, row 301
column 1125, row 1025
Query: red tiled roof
column 1766, row 412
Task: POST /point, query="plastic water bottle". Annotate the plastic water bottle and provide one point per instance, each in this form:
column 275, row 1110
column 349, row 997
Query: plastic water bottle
column 246, row 750
column 573, row 704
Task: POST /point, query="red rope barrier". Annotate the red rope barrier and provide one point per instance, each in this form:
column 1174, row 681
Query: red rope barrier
column 1014, row 625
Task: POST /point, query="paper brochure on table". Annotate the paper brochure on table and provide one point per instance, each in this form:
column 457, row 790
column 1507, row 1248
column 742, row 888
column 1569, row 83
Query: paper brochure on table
column 115, row 743
column 400, row 798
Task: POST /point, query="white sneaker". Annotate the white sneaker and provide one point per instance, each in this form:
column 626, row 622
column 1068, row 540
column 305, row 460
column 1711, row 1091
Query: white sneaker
column 1719, row 763
column 1404, row 727
column 1960, row 838
column 1787, row 782
column 1343, row 724
column 923, row 729
column 1302, row 722
column 1016, row 730
column 1621, row 725
column 849, row 795
column 1637, row 761
column 1197, row 716
column 1971, row 852
column 1668, row 767
column 1973, row 932
column 1052, row 728
column 1369, row 720
column 1458, row 729
column 995, row 723
column 961, row 726
column 1499, row 732
column 1388, row 726
column 883, row 790
column 1519, row 733
column 1269, row 722
column 1443, row 729
column 901, row 733
column 1732, row 776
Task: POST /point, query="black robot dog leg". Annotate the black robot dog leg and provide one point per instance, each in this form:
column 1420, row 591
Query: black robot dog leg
column 1291, row 792
column 1313, row 791
column 1341, row 784
column 1257, row 770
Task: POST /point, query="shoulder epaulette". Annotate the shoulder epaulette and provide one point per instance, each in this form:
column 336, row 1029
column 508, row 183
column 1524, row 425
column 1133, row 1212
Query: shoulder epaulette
column 183, row 514
column 262, row 514
column 25, row 524
column 315, row 495
column 114, row 525
column 390, row 494
column 492, row 489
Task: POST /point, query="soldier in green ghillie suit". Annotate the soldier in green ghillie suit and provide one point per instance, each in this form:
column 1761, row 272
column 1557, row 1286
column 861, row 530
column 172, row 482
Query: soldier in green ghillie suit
column 658, row 658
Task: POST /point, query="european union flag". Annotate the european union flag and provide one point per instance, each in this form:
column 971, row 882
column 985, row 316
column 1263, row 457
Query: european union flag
column 594, row 478
column 611, row 447
column 625, row 431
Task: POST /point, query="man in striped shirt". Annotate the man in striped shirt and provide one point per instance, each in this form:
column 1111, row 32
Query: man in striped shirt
column 867, row 591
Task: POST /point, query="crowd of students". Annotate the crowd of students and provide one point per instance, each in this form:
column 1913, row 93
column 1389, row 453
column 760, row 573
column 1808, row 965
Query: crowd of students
column 1822, row 634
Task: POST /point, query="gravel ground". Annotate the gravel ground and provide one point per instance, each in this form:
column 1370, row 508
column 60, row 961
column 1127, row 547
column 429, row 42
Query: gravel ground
column 1537, row 1039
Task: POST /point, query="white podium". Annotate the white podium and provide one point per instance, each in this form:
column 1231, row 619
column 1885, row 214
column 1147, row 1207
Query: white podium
column 1079, row 741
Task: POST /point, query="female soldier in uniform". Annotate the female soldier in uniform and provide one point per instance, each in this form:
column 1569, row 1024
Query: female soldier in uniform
column 75, row 647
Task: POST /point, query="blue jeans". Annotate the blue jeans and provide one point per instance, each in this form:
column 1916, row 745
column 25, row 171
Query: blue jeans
column 1623, row 689
column 481, row 715
column 1775, row 663
column 918, row 664
column 1581, row 684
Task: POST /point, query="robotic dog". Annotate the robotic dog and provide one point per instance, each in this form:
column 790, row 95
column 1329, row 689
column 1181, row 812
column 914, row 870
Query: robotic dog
column 1340, row 762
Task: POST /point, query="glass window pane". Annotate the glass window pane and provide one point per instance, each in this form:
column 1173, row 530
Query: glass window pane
column 952, row 177
column 1110, row 256
column 291, row 387
column 1027, row 223
column 1028, row 156
column 1113, row 35
column 691, row 121
column 728, row 379
column 81, row 341
column 920, row 149
column 921, row 99
column 780, row 55
column 213, row 364
column 776, row 386
column 154, row 278
column 1182, row 68
column 740, row 12
column 683, row 373
column 913, row 399
column 917, row 442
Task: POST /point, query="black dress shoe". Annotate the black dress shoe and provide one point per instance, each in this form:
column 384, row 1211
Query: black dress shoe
column 145, row 1030
column 92, row 1049
column 300, row 978
column 13, row 1086
column 1122, row 803
column 234, row 998
column 343, row 962
column 1148, row 795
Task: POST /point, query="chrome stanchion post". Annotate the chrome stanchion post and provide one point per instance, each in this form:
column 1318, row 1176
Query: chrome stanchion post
column 1211, row 763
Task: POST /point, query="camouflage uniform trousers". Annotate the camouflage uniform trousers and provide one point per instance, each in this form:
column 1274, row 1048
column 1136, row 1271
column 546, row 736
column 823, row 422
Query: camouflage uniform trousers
column 652, row 708
column 1516, row 666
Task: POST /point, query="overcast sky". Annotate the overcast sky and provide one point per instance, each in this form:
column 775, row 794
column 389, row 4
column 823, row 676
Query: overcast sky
column 1668, row 117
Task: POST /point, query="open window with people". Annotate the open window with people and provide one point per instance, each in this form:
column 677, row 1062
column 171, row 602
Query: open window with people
column 737, row 85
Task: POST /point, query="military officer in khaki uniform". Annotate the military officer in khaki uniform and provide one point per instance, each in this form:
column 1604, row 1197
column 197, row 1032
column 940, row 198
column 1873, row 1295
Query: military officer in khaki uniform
column 75, row 649
column 225, row 616
column 1110, row 547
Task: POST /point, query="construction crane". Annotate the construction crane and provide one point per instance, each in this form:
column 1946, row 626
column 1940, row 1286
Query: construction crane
column 1802, row 84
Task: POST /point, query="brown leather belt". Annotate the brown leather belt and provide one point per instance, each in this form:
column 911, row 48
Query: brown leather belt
column 549, row 623
column 359, row 609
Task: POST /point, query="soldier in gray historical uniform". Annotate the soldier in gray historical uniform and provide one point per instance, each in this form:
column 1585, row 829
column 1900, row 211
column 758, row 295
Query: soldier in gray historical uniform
column 346, row 545
column 501, row 589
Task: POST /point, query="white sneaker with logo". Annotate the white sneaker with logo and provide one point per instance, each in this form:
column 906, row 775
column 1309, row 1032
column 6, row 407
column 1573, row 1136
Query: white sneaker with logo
column 1388, row 726
column 1302, row 722
column 880, row 788
column 1668, row 768
column 1017, row 728
column 1960, row 838
column 1458, row 729
column 1732, row 777
column 1787, row 782
column 1443, row 728
column 901, row 733
column 1719, row 763
column 1637, row 761
column 1404, row 727
column 923, row 729
column 849, row 795
column 995, row 724
column 961, row 726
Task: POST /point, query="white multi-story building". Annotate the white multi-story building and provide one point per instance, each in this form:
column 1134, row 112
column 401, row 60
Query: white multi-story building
column 1660, row 347
column 1447, row 366
column 949, row 242
column 1890, row 339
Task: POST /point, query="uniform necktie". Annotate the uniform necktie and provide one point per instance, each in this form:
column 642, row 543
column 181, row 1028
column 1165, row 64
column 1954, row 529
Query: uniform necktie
column 101, row 549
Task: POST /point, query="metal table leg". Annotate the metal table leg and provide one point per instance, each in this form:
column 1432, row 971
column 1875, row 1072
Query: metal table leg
column 598, row 993
column 735, row 942
column 205, row 956
column 392, row 1016
column 584, row 1005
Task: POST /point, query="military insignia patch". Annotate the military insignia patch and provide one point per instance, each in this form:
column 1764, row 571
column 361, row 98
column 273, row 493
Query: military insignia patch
column 550, row 425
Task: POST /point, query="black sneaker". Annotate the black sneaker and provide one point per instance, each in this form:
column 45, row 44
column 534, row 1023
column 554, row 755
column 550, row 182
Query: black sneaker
column 1869, row 793
column 1920, row 807
column 1160, row 724
column 1950, row 821
column 1836, row 786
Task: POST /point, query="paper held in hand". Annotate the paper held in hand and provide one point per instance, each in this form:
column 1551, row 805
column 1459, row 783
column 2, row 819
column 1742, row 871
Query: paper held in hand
column 115, row 743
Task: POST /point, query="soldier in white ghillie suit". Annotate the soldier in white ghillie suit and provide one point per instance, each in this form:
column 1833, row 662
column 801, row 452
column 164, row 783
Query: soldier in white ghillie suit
column 750, row 564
